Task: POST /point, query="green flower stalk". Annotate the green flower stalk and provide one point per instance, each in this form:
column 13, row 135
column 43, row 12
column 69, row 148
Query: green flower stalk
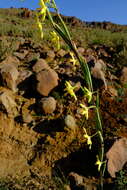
column 70, row 90
column 62, row 30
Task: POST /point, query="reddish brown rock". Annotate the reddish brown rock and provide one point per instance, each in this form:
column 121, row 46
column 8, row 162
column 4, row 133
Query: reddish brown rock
column 98, row 71
column 40, row 65
column 47, row 80
column 117, row 156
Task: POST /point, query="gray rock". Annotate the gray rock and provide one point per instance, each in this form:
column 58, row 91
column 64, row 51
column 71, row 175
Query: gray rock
column 47, row 80
column 40, row 65
column 9, row 73
column 48, row 105
column 70, row 122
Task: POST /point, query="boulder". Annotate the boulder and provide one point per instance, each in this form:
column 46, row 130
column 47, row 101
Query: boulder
column 7, row 102
column 9, row 72
column 41, row 64
column 47, row 80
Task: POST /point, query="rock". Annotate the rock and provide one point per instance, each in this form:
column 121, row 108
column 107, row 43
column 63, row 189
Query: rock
column 112, row 91
column 50, row 54
column 98, row 71
column 123, row 78
column 75, row 178
column 9, row 73
column 21, row 55
column 27, row 118
column 48, row 105
column 31, row 56
column 67, row 187
column 40, row 65
column 81, row 50
column 47, row 80
column 79, row 182
column 11, row 60
column 117, row 156
column 26, row 13
column 70, row 122
column 61, row 53
column 23, row 75
column 7, row 102
column 26, row 111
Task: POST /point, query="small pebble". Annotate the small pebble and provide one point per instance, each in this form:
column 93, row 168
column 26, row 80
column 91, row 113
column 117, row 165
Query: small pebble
column 48, row 105
column 70, row 122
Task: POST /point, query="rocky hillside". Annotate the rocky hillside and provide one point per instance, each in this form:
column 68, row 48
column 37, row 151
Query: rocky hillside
column 41, row 128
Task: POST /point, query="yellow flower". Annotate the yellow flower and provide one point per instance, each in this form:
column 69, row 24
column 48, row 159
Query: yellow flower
column 43, row 9
column 87, row 93
column 85, row 110
column 73, row 60
column 70, row 89
column 98, row 163
column 89, row 141
column 39, row 24
column 55, row 39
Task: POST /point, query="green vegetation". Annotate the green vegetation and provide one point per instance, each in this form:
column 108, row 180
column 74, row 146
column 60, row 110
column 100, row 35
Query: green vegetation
column 121, row 179
column 13, row 24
